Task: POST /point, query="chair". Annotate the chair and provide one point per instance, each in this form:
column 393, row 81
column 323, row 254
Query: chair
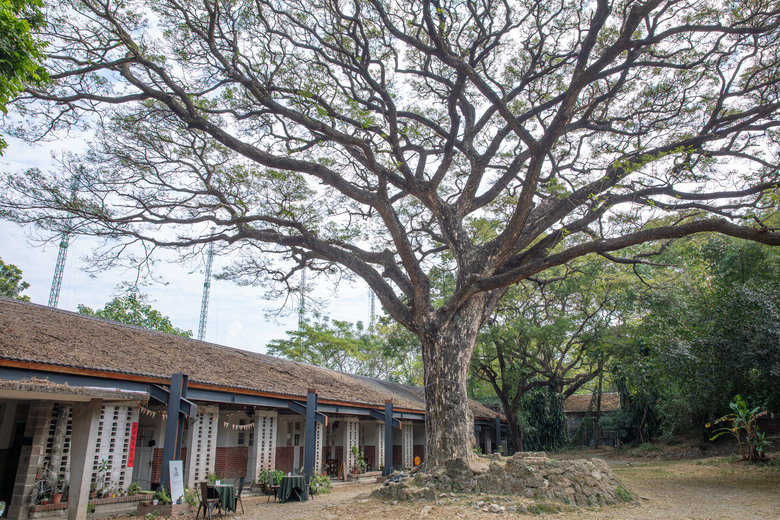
column 208, row 504
column 239, row 487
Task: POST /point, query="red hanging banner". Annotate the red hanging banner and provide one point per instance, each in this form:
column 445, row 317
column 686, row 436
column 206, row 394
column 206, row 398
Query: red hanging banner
column 131, row 449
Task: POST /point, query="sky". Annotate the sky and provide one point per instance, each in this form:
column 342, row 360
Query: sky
column 237, row 316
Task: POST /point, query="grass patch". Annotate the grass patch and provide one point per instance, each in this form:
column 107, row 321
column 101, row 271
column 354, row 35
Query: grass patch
column 545, row 507
column 644, row 449
column 624, row 495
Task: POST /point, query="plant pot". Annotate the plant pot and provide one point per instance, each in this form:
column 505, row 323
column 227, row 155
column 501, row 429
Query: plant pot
column 154, row 502
column 56, row 498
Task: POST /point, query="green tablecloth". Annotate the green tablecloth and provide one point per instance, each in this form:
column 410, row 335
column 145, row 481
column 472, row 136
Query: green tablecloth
column 292, row 489
column 227, row 496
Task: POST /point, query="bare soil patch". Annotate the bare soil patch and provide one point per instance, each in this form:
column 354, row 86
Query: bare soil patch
column 711, row 489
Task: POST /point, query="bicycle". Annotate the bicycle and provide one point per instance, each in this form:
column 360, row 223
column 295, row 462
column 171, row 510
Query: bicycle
column 45, row 484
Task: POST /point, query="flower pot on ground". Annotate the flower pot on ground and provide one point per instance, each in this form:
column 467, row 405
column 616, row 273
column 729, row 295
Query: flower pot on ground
column 56, row 498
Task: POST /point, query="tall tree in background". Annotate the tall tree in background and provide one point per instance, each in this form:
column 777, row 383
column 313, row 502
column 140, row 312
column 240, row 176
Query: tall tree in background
column 709, row 331
column 545, row 335
column 133, row 310
column 350, row 348
column 11, row 284
column 374, row 137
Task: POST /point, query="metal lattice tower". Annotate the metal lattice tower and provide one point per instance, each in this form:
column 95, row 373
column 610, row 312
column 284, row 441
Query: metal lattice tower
column 302, row 306
column 204, row 304
column 372, row 322
column 59, row 269
column 62, row 255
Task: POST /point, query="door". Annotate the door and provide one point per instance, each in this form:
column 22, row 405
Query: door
column 142, row 469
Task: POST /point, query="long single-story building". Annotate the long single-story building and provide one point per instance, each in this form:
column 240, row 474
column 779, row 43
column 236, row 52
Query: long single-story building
column 101, row 404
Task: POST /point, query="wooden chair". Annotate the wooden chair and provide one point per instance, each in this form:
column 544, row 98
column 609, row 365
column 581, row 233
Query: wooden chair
column 239, row 487
column 208, row 504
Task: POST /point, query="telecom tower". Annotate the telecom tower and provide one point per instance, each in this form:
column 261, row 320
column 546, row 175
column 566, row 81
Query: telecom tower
column 59, row 268
column 372, row 323
column 302, row 305
column 204, row 304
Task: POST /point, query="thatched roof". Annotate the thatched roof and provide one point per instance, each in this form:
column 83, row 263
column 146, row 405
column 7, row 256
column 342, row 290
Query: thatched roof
column 579, row 403
column 65, row 340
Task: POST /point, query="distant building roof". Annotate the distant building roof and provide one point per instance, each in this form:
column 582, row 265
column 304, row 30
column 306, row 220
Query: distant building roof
column 65, row 341
column 579, row 403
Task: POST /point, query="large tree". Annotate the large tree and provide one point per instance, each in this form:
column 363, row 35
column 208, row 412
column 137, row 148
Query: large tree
column 384, row 137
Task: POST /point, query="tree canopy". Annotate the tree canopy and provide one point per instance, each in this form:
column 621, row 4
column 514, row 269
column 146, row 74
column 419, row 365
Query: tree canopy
column 349, row 347
column 21, row 53
column 11, row 284
column 133, row 310
column 395, row 139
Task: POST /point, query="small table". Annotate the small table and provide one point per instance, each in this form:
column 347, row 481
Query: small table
column 293, row 488
column 227, row 496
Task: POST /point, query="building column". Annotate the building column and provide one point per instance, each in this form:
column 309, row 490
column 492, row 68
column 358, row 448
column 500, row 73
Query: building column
column 84, row 437
column 407, row 445
column 37, row 427
column 351, row 439
column 202, row 445
column 174, row 426
column 112, row 445
column 388, row 443
column 380, row 444
column 262, row 455
column 318, row 467
column 310, row 434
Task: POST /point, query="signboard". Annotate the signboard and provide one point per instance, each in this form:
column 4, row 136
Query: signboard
column 131, row 448
column 176, row 469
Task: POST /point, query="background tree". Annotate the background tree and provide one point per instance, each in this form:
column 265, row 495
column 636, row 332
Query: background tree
column 133, row 310
column 372, row 136
column 709, row 331
column 547, row 334
column 21, row 53
column 347, row 347
column 11, row 284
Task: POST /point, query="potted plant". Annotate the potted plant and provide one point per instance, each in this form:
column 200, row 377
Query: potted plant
column 360, row 461
column 59, row 490
column 134, row 488
column 162, row 496
column 264, row 481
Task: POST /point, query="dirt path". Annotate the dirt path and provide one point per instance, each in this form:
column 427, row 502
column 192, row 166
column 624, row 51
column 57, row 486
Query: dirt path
column 709, row 489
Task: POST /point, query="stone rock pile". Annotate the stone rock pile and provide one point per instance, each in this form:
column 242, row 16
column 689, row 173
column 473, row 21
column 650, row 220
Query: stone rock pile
column 531, row 475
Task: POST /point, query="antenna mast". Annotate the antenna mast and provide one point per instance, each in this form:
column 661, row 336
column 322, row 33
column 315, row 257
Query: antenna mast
column 302, row 306
column 59, row 268
column 372, row 297
column 204, row 304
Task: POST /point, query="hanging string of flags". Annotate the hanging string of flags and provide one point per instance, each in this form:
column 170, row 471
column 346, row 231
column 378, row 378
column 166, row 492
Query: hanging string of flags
column 151, row 413
column 240, row 427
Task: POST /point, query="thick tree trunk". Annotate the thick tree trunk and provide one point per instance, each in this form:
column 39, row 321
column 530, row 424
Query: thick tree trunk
column 596, row 426
column 449, row 422
column 515, row 435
